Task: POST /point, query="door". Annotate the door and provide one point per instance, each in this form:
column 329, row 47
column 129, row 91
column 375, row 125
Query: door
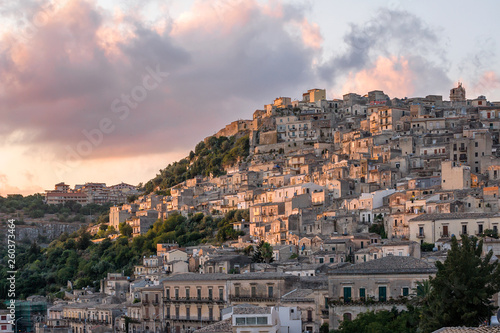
column 382, row 294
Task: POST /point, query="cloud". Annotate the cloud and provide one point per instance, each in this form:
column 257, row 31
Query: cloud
column 65, row 78
column 6, row 188
column 388, row 74
column 395, row 40
column 485, row 84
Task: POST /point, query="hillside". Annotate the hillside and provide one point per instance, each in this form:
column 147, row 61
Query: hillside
column 208, row 158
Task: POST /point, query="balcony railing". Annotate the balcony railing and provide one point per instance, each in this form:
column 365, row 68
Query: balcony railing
column 444, row 234
column 252, row 299
column 193, row 300
column 420, row 235
column 190, row 318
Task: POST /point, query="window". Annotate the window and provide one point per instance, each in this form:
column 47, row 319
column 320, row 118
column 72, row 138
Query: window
column 382, row 294
column 464, row 229
column 321, row 260
column 331, row 260
column 480, row 228
column 188, row 313
column 177, row 293
column 362, row 293
column 167, row 315
column 199, row 313
column 198, row 293
column 270, row 291
column 253, row 291
column 237, row 291
column 210, row 294
column 177, row 312
column 347, row 294
column 221, row 293
column 406, row 291
column 210, row 314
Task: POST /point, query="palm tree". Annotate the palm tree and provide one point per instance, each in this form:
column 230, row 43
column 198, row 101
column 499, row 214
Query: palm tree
column 421, row 292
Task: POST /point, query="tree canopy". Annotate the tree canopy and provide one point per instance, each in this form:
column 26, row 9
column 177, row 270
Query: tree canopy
column 382, row 322
column 263, row 253
column 461, row 291
column 208, row 158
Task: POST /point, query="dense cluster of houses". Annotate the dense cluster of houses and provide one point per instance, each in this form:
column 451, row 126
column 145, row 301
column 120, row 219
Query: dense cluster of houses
column 321, row 174
column 83, row 194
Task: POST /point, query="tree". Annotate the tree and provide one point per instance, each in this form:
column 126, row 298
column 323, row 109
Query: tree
column 263, row 253
column 421, row 293
column 462, row 288
column 125, row 229
column 378, row 226
column 84, row 241
column 382, row 322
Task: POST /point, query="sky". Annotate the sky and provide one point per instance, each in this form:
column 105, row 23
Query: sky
column 112, row 91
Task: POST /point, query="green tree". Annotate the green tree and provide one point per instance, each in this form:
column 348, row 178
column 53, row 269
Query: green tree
column 84, row 241
column 462, row 288
column 125, row 229
column 378, row 226
column 263, row 253
column 382, row 322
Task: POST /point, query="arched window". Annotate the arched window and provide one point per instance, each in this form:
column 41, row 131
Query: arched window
column 347, row 316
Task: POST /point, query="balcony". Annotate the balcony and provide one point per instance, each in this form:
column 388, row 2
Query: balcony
column 190, row 318
column 420, row 235
column 252, row 299
column 464, row 149
column 444, row 234
column 192, row 300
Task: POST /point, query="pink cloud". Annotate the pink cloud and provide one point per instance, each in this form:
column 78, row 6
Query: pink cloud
column 488, row 82
column 392, row 74
column 311, row 35
column 211, row 17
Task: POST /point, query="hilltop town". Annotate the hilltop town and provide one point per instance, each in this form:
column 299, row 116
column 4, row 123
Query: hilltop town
column 358, row 197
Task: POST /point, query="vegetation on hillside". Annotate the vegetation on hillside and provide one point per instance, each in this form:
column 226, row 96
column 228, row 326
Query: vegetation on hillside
column 207, row 159
column 75, row 258
column 33, row 206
